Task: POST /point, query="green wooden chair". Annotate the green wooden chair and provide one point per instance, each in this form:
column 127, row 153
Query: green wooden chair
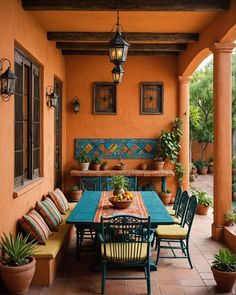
column 125, row 242
column 182, row 207
column 176, row 202
column 172, row 234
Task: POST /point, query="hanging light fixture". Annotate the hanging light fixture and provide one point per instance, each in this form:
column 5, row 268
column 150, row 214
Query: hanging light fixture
column 117, row 74
column 52, row 97
column 7, row 81
column 118, row 46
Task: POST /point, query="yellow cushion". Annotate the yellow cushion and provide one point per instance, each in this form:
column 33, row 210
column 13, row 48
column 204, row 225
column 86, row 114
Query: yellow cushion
column 171, row 232
column 171, row 211
column 130, row 251
column 176, row 219
column 55, row 241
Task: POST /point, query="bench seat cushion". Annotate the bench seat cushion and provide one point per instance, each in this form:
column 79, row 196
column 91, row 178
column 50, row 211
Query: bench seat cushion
column 55, row 241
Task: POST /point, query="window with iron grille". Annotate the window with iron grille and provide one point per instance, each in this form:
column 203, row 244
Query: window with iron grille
column 27, row 119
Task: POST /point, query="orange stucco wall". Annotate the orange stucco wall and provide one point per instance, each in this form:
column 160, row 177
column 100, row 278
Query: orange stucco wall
column 196, row 151
column 18, row 26
column 82, row 71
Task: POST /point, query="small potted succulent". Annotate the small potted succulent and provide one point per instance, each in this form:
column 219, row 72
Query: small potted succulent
column 83, row 161
column 230, row 218
column 202, row 167
column 165, row 196
column 211, row 165
column 17, row 266
column 104, row 165
column 158, row 162
column 119, row 184
column 96, row 163
column 224, row 270
column 76, row 193
column 204, row 201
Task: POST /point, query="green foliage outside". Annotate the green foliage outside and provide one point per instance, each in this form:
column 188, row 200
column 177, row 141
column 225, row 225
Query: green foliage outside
column 201, row 106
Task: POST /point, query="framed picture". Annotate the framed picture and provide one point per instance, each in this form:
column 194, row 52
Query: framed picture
column 151, row 94
column 104, row 98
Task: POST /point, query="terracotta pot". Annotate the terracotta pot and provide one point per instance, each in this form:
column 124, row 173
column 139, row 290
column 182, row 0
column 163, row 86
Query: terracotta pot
column 104, row 167
column 75, row 195
column 84, row 166
column 95, row 167
column 165, row 198
column 224, row 280
column 158, row 165
column 202, row 209
column 143, row 166
column 17, row 279
column 202, row 171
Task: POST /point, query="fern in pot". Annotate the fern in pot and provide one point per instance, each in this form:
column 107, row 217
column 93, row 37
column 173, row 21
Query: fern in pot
column 17, row 265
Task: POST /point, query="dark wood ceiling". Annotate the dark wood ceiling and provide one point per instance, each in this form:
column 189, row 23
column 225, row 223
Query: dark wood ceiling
column 142, row 43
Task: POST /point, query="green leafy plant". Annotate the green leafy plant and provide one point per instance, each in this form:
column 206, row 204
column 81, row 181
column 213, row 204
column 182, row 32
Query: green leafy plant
column 234, row 162
column 179, row 172
column 119, row 182
column 200, row 164
column 83, row 158
column 230, row 216
column 75, row 188
column 225, row 261
column 203, row 198
column 17, row 250
column 96, row 160
column 104, row 163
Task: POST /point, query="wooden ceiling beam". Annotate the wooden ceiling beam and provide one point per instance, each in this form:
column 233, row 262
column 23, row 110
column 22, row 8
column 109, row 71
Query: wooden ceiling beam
column 131, row 37
column 126, row 5
column 131, row 53
column 133, row 47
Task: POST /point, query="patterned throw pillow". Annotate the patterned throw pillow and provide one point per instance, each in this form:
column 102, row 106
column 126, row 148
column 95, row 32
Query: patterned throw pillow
column 60, row 200
column 34, row 225
column 50, row 213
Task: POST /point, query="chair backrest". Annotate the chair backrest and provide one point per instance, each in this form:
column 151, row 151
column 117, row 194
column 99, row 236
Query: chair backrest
column 126, row 237
column 177, row 198
column 190, row 212
column 183, row 203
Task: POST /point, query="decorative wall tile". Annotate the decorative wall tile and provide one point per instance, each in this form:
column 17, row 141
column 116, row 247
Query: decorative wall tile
column 114, row 148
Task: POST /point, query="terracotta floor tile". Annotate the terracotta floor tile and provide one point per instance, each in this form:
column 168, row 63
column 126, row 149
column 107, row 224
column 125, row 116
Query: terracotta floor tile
column 192, row 283
column 166, row 290
column 195, row 291
column 206, row 275
column 209, row 283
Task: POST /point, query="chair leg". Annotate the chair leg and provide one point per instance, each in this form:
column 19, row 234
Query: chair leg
column 103, row 276
column 158, row 247
column 148, row 278
column 188, row 254
column 183, row 247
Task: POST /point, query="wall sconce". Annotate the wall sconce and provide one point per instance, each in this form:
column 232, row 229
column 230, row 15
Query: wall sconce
column 7, row 81
column 76, row 105
column 52, row 97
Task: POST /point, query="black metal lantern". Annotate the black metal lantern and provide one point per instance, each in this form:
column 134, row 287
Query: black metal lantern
column 118, row 46
column 117, row 74
column 52, row 97
column 76, row 105
column 7, row 81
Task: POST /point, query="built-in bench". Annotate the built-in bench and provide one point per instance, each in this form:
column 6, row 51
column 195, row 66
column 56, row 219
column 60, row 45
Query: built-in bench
column 48, row 256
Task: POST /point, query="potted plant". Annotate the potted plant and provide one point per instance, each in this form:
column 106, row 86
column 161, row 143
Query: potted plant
column 17, row 265
column 193, row 168
column 96, row 163
column 210, row 165
column 83, row 161
column 229, row 217
column 143, row 166
column 104, row 165
column 158, row 162
column 224, row 270
column 204, row 201
column 201, row 166
column 119, row 184
column 165, row 196
column 76, row 193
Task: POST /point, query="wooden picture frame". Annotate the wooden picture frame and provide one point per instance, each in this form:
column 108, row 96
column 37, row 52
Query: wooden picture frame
column 104, row 98
column 151, row 98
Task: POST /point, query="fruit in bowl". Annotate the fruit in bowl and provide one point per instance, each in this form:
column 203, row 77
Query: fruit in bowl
column 122, row 201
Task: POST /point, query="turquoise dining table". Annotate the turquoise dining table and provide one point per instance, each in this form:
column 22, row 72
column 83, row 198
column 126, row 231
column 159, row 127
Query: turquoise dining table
column 84, row 212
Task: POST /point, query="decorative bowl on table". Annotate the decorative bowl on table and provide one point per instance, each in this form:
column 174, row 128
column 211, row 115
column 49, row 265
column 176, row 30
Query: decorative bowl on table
column 122, row 201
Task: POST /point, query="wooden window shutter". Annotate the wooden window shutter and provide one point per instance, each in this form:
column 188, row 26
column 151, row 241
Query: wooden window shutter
column 35, row 121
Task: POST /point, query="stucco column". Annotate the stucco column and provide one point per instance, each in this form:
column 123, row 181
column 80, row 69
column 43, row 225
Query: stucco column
column 184, row 116
column 222, row 135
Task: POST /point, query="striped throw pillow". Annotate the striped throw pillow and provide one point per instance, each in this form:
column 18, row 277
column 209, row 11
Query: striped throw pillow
column 50, row 213
column 34, row 225
column 60, row 200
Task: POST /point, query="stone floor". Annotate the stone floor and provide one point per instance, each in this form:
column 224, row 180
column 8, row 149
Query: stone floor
column 173, row 277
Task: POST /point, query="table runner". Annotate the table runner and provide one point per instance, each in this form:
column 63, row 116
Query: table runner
column 106, row 209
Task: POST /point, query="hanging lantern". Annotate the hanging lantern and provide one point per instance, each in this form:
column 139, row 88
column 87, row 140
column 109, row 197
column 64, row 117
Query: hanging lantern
column 117, row 74
column 52, row 98
column 7, row 81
